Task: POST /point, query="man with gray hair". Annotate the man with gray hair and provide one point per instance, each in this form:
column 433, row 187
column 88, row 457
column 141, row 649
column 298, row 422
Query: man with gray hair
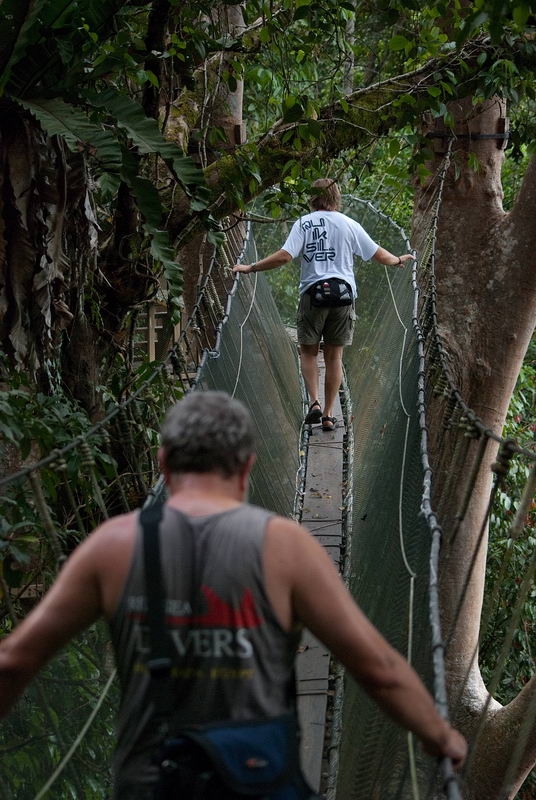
column 326, row 242
column 207, row 432
column 240, row 583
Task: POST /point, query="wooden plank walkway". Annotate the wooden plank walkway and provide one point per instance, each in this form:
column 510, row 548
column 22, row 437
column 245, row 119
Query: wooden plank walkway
column 322, row 515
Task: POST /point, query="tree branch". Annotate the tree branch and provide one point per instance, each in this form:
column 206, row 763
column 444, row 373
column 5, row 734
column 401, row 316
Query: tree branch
column 349, row 124
column 505, row 751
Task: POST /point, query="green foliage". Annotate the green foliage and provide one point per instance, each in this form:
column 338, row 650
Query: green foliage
column 33, row 425
column 496, row 17
column 144, row 133
column 385, row 177
column 58, row 118
column 94, row 69
column 49, row 717
column 83, row 98
column 48, row 45
column 87, row 471
column 294, row 75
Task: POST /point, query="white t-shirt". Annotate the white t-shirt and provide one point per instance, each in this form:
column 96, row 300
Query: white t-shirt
column 327, row 242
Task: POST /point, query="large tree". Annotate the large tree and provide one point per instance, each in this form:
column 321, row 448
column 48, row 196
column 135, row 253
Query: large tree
column 122, row 143
column 485, row 270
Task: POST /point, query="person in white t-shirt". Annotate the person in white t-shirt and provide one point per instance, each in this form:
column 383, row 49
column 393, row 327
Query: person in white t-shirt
column 326, row 242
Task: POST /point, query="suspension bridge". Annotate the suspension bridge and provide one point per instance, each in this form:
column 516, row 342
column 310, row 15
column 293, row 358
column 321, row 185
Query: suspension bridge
column 363, row 490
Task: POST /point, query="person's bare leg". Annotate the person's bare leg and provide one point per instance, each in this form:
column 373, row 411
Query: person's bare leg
column 309, row 369
column 333, row 377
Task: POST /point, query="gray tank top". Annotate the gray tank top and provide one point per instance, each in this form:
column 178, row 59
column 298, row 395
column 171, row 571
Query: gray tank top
column 231, row 658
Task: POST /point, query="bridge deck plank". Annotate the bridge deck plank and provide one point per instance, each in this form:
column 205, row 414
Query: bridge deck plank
column 322, row 516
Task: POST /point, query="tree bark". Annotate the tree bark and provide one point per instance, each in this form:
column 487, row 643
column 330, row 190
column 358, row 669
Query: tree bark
column 221, row 108
column 47, row 254
column 486, row 301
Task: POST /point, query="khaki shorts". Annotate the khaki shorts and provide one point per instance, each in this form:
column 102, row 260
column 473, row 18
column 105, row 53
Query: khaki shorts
column 333, row 325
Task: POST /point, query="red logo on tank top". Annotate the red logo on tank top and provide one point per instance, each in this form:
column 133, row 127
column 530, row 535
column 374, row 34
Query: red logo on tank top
column 219, row 613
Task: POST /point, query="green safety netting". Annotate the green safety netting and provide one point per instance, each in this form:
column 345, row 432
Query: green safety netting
column 256, row 362
column 389, row 541
column 390, row 544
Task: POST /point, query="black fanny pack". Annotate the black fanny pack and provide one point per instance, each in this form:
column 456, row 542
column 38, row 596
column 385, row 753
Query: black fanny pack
column 330, row 293
column 233, row 761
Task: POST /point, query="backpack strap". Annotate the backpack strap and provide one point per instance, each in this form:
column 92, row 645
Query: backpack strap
column 159, row 662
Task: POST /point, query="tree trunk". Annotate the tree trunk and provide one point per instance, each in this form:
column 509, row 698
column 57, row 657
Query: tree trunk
column 221, row 109
column 47, row 256
column 486, row 302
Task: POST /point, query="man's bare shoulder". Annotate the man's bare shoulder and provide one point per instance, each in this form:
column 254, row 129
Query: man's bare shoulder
column 284, row 527
column 105, row 557
column 292, row 539
column 121, row 524
column 113, row 534
column 278, row 524
column 284, row 530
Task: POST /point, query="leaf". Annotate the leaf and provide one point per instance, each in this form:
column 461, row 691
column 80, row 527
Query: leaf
column 147, row 200
column 399, row 42
column 292, row 109
column 521, row 13
column 35, row 51
column 302, row 12
column 17, row 32
column 145, row 134
column 146, row 76
column 162, row 251
column 59, row 118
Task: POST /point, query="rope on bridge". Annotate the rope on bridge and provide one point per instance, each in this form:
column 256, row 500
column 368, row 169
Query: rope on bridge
column 463, row 469
column 438, row 647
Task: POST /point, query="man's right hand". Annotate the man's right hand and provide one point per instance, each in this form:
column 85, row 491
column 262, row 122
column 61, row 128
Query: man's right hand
column 452, row 745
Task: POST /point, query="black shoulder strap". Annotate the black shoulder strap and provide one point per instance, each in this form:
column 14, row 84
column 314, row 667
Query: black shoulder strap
column 159, row 662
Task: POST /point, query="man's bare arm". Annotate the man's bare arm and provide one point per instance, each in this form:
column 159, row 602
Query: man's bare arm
column 272, row 261
column 72, row 603
column 383, row 256
column 321, row 602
